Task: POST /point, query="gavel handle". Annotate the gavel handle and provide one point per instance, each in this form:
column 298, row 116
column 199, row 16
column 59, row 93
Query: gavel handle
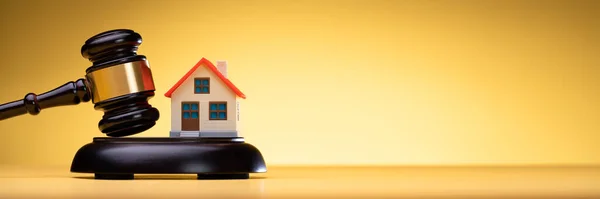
column 71, row 93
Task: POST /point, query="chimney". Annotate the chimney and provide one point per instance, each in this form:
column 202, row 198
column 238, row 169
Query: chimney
column 222, row 67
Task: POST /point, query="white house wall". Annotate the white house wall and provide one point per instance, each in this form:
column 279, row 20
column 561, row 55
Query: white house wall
column 218, row 92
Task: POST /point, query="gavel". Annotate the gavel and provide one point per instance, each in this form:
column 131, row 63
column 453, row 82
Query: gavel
column 119, row 83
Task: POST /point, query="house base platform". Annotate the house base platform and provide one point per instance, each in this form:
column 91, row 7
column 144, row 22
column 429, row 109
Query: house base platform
column 208, row 158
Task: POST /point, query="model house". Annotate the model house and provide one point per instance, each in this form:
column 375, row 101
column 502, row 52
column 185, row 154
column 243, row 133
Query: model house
column 204, row 103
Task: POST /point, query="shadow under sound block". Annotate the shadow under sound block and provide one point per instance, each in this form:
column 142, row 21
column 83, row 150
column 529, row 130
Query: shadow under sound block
column 208, row 158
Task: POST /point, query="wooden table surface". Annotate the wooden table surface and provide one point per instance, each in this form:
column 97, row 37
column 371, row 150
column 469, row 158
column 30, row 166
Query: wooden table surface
column 315, row 182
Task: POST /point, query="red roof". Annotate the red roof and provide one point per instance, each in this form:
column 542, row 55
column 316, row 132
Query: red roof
column 214, row 69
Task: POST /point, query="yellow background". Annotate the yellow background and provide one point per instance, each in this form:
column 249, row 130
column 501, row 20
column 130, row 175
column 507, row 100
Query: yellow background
column 334, row 82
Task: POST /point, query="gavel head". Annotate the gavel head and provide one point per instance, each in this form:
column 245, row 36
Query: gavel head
column 120, row 82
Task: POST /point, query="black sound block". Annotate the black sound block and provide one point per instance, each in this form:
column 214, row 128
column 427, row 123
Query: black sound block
column 208, row 158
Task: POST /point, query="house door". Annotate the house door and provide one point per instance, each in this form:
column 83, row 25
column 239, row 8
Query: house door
column 190, row 119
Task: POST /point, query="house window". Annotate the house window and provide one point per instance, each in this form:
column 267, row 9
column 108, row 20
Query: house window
column 190, row 110
column 218, row 110
column 201, row 85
